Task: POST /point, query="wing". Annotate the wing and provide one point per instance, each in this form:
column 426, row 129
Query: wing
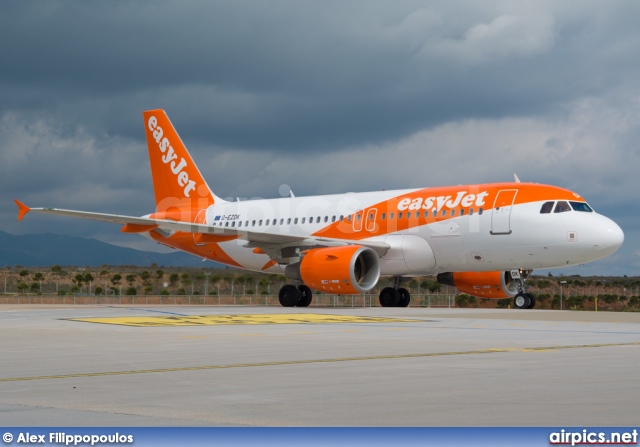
column 279, row 247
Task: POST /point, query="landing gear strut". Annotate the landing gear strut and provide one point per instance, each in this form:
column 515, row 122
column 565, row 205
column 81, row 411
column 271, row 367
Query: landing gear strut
column 395, row 296
column 522, row 300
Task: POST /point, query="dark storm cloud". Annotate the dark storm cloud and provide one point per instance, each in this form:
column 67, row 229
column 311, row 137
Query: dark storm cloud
column 304, row 75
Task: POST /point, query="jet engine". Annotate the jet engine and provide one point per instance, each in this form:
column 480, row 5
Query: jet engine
column 342, row 270
column 482, row 284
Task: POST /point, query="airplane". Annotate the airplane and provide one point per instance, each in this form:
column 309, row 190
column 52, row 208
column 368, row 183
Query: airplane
column 484, row 239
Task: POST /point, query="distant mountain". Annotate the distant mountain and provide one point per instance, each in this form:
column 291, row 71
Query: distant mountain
column 39, row 250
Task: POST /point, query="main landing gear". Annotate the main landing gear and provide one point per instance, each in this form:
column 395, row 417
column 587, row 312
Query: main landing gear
column 291, row 296
column 395, row 296
column 522, row 300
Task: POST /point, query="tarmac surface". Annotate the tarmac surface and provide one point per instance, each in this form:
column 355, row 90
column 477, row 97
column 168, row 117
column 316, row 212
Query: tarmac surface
column 268, row 366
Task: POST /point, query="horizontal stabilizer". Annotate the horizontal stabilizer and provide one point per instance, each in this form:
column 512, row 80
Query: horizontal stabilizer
column 137, row 228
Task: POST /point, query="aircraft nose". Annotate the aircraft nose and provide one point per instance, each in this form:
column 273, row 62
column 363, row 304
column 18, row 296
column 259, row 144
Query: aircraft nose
column 610, row 238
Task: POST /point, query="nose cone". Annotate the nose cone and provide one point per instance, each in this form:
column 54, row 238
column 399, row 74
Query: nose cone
column 610, row 238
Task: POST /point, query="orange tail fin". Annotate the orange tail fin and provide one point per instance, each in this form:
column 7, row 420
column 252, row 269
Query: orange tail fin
column 177, row 182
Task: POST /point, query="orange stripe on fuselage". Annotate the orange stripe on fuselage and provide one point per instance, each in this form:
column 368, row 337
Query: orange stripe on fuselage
column 416, row 203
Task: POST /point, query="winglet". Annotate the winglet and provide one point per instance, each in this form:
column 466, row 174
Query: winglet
column 22, row 209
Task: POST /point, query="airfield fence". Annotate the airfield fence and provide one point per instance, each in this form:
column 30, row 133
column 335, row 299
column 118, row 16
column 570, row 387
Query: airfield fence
column 319, row 300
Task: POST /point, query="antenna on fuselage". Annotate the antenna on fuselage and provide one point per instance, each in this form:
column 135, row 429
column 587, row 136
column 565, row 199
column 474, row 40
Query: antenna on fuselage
column 515, row 177
column 285, row 191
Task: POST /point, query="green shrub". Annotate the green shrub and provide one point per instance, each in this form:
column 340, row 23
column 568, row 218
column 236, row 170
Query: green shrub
column 464, row 300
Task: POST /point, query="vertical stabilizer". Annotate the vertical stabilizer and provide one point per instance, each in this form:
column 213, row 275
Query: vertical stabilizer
column 177, row 182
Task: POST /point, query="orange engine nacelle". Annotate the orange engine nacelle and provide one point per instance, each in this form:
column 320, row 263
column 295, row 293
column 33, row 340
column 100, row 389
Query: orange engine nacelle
column 481, row 284
column 342, row 270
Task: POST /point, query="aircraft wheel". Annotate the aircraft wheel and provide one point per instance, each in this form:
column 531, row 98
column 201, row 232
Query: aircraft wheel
column 405, row 297
column 533, row 301
column 389, row 297
column 521, row 301
column 305, row 296
column 289, row 295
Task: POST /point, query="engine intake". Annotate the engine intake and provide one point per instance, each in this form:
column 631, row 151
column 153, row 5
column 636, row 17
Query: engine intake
column 342, row 270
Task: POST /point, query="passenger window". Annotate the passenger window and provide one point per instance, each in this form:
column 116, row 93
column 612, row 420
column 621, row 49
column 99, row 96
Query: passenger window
column 426, row 214
column 391, row 215
column 240, row 223
column 246, row 223
column 295, row 221
column 358, row 217
column 409, row 215
column 326, row 218
column 546, row 207
column 318, row 219
column 281, row 221
column 400, row 215
column 260, row 223
column 581, row 206
column 562, row 207
column 435, row 212
column 480, row 211
column 470, row 211
column 341, row 218
column 383, row 216
column 462, row 212
column 226, row 224
column 253, row 224
column 233, row 224
column 348, row 218
column 274, row 222
column 333, row 218
column 370, row 217
column 288, row 221
column 302, row 220
column 444, row 213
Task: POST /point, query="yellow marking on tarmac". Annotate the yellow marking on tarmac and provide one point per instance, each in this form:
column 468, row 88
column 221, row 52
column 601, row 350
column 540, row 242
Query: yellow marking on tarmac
column 311, row 361
column 209, row 320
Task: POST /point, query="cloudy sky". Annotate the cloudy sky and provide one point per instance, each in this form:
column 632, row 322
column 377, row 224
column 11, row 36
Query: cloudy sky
column 327, row 97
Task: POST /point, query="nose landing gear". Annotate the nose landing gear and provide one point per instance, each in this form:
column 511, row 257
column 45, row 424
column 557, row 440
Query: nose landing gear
column 522, row 300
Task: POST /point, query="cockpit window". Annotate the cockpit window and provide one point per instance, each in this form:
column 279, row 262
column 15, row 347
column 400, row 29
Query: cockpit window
column 561, row 207
column 581, row 206
column 546, row 207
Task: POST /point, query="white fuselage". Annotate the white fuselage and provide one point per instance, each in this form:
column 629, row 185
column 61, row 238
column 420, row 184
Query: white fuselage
column 487, row 238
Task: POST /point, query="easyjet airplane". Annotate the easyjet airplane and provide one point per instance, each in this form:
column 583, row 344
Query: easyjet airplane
column 483, row 239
